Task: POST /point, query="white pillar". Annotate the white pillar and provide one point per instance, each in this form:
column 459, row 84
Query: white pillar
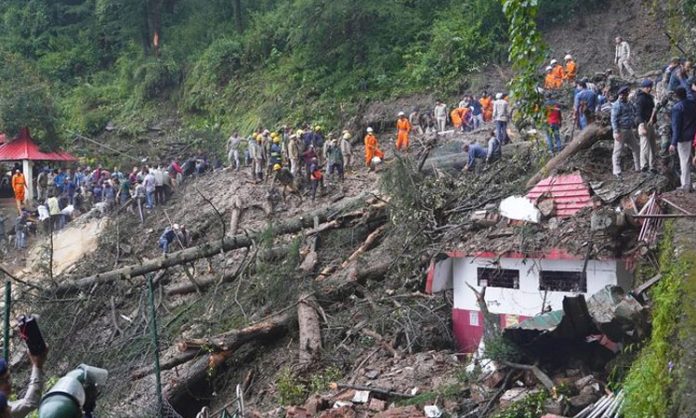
column 29, row 177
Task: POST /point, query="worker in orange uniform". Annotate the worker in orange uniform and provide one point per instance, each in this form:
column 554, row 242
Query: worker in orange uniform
column 457, row 117
column 571, row 69
column 558, row 74
column 487, row 106
column 371, row 148
column 549, row 81
column 19, row 185
column 403, row 128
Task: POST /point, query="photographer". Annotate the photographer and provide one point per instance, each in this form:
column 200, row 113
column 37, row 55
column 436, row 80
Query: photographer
column 23, row 407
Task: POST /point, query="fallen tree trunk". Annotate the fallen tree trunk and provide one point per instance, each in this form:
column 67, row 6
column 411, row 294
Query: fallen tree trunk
column 591, row 134
column 227, row 342
column 210, row 248
column 310, row 331
column 225, row 345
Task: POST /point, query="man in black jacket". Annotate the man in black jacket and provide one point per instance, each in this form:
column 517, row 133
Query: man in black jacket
column 683, row 132
column 645, row 103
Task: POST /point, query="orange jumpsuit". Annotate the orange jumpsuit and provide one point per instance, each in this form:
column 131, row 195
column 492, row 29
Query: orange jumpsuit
column 457, row 116
column 571, row 70
column 550, row 81
column 487, row 105
column 19, row 186
column 558, row 75
column 372, row 149
column 403, row 126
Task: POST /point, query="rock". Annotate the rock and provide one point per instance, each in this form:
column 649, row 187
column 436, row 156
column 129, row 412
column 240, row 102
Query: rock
column 403, row 412
column 342, row 412
column 547, row 207
column 377, row 405
column 553, row 406
column 361, row 396
column 479, row 393
column 372, row 374
column 584, row 381
column 296, row 412
column 582, row 400
column 515, row 395
column 494, row 379
column 315, row 404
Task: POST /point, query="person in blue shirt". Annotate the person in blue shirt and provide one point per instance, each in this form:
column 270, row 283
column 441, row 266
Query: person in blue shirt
column 683, row 133
column 476, row 112
column 474, row 151
column 167, row 238
column 584, row 105
column 623, row 124
column 59, row 180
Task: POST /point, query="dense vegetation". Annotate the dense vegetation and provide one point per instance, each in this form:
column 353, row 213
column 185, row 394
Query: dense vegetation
column 223, row 64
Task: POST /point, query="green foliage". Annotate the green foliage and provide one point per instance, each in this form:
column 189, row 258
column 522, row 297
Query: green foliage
column 648, row 382
column 292, row 390
column 527, row 56
column 26, row 101
column 500, row 350
column 530, row 407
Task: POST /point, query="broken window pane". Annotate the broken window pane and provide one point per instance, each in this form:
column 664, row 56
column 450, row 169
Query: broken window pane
column 563, row 281
column 498, row 278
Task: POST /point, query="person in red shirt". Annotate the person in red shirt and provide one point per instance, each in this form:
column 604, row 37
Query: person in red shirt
column 554, row 118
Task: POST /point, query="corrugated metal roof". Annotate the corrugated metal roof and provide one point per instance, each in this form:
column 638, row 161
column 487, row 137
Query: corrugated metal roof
column 569, row 192
column 24, row 148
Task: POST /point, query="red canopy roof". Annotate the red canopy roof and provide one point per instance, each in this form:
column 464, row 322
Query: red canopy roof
column 24, row 148
column 569, row 192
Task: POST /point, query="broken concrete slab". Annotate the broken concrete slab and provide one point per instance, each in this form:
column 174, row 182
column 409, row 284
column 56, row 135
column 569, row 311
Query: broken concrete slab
column 519, row 208
column 516, row 395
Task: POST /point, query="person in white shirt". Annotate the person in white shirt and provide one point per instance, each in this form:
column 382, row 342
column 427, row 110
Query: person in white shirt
column 622, row 57
column 440, row 114
column 501, row 115
column 23, row 407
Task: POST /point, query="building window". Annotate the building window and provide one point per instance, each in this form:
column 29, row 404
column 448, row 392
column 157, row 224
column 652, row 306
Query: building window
column 563, row 281
column 490, row 277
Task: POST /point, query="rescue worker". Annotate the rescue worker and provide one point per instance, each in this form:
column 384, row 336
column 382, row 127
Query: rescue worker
column 554, row 118
column 501, row 115
column 347, row 150
column 474, row 151
column 334, row 160
column 403, row 128
column 285, row 178
column 440, row 114
column 414, row 119
column 645, row 105
column 476, row 113
column 623, row 123
column 42, row 185
column 584, row 105
column 256, row 155
column 293, row 155
column 167, row 238
column 622, row 57
column 371, row 148
column 683, row 133
column 558, row 74
column 233, row 150
column 495, row 149
column 457, row 117
column 487, row 105
column 549, row 81
column 19, row 186
column 571, row 69
column 316, row 177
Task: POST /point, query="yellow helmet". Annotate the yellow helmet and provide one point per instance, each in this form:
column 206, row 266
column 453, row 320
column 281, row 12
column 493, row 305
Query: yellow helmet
column 276, row 167
column 259, row 137
column 347, row 135
column 276, row 139
column 317, row 127
column 274, row 135
column 300, row 132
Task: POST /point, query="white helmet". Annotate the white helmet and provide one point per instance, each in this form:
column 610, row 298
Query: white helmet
column 498, row 96
column 175, row 226
column 347, row 136
column 376, row 160
column 568, row 57
column 370, row 130
column 553, row 61
column 401, row 114
column 549, row 68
